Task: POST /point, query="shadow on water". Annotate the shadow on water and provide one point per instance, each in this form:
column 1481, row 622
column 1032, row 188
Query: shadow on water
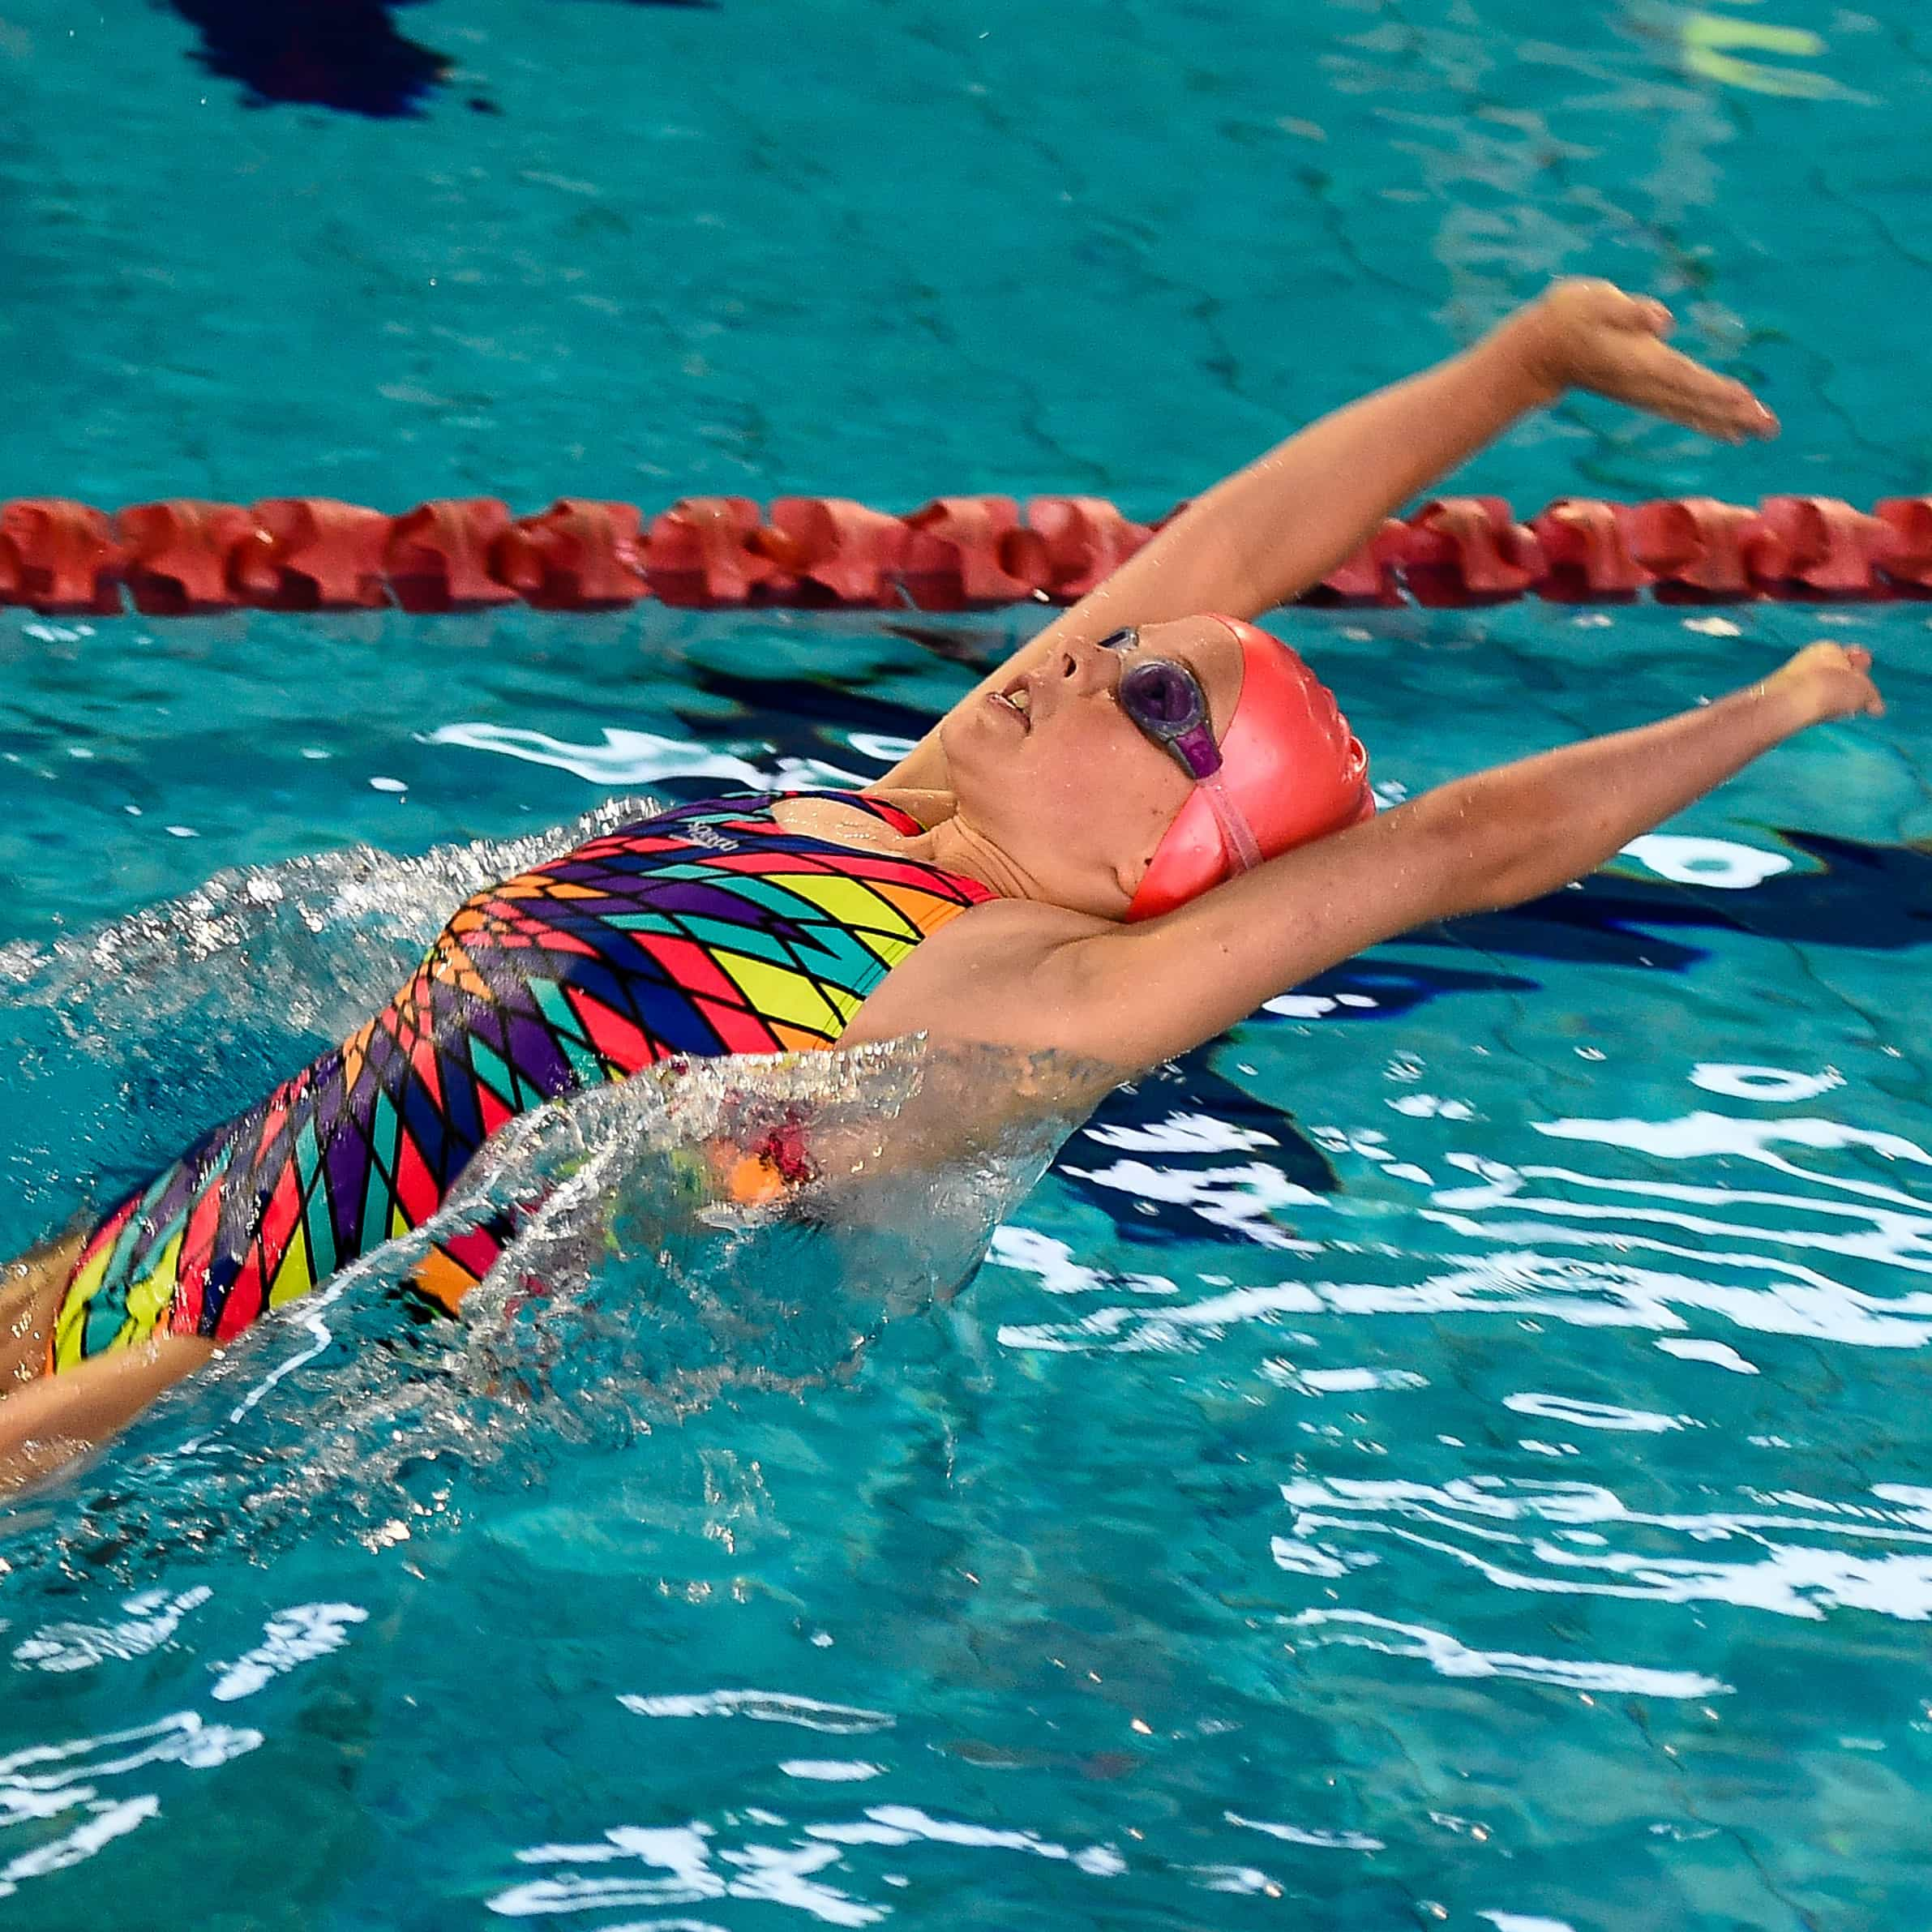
column 344, row 54
column 1861, row 897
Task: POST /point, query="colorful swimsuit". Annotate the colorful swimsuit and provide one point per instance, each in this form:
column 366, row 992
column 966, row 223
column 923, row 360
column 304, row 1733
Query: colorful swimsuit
column 708, row 930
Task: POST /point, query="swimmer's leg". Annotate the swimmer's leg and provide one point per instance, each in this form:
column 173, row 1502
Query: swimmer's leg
column 48, row 1420
column 30, row 1289
column 57, row 1417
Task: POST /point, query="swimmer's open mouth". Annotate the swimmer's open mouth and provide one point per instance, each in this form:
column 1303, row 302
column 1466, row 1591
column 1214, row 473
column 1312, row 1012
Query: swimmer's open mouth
column 1018, row 697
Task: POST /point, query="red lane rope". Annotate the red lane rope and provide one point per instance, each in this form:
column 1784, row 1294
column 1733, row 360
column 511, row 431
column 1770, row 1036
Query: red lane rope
column 957, row 553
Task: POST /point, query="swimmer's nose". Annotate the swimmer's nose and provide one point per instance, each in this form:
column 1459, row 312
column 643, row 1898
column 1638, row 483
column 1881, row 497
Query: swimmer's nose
column 1092, row 668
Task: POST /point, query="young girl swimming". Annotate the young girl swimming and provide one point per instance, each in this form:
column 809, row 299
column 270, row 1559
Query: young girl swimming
column 1149, row 821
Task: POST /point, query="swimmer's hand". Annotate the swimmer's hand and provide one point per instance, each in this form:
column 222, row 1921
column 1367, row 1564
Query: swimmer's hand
column 1829, row 681
column 1583, row 334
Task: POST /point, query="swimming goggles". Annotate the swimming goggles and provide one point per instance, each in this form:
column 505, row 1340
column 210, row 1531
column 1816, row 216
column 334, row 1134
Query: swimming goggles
column 1165, row 702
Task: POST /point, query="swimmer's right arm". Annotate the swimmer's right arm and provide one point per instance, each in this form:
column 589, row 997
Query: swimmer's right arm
column 1265, row 534
column 1271, row 531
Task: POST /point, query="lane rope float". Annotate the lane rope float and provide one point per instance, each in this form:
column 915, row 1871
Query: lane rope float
column 186, row 557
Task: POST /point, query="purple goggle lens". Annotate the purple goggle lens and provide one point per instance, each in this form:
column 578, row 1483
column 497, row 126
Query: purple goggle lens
column 1166, row 704
column 1166, row 701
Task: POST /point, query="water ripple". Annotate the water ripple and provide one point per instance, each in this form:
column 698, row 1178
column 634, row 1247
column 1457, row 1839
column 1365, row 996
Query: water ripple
column 45, row 1782
column 1791, row 1564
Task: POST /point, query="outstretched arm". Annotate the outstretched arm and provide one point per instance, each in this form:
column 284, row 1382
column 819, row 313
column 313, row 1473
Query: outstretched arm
column 1266, row 534
column 1134, row 996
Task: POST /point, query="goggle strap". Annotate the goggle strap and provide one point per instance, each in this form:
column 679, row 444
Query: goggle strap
column 1235, row 836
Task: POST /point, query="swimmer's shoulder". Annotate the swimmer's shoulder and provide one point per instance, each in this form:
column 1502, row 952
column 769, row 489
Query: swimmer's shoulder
column 978, row 978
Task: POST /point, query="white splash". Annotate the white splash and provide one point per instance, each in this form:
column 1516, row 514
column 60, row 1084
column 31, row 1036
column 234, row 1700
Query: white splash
column 1337, row 1841
column 1241, row 1198
column 292, row 1636
column 689, row 1860
column 886, row 750
column 1590, row 1414
column 902, row 1824
column 1182, row 1132
column 1793, row 1560
column 1028, row 1252
column 43, row 1781
column 1720, row 1354
column 1718, row 862
column 151, row 1618
column 1356, row 1382
column 1777, row 1086
column 628, row 757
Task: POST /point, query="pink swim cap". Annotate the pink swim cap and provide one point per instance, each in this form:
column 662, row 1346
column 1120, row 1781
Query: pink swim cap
column 1289, row 764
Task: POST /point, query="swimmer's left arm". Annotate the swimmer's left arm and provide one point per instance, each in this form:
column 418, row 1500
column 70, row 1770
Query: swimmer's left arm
column 1265, row 534
column 1138, row 995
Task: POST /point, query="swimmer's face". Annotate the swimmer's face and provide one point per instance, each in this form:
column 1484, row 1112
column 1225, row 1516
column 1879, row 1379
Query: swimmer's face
column 1065, row 783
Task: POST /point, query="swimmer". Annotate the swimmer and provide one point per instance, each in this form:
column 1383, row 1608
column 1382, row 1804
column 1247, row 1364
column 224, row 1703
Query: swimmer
column 1152, row 819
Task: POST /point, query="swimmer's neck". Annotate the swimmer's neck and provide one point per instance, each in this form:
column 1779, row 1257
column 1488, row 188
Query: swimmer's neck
column 955, row 847
column 945, row 841
column 951, row 843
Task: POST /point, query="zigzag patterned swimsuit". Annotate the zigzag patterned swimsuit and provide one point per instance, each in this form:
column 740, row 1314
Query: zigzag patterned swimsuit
column 708, row 930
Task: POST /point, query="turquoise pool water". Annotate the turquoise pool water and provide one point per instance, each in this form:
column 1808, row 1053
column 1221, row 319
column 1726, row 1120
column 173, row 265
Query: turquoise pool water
column 1450, row 1453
